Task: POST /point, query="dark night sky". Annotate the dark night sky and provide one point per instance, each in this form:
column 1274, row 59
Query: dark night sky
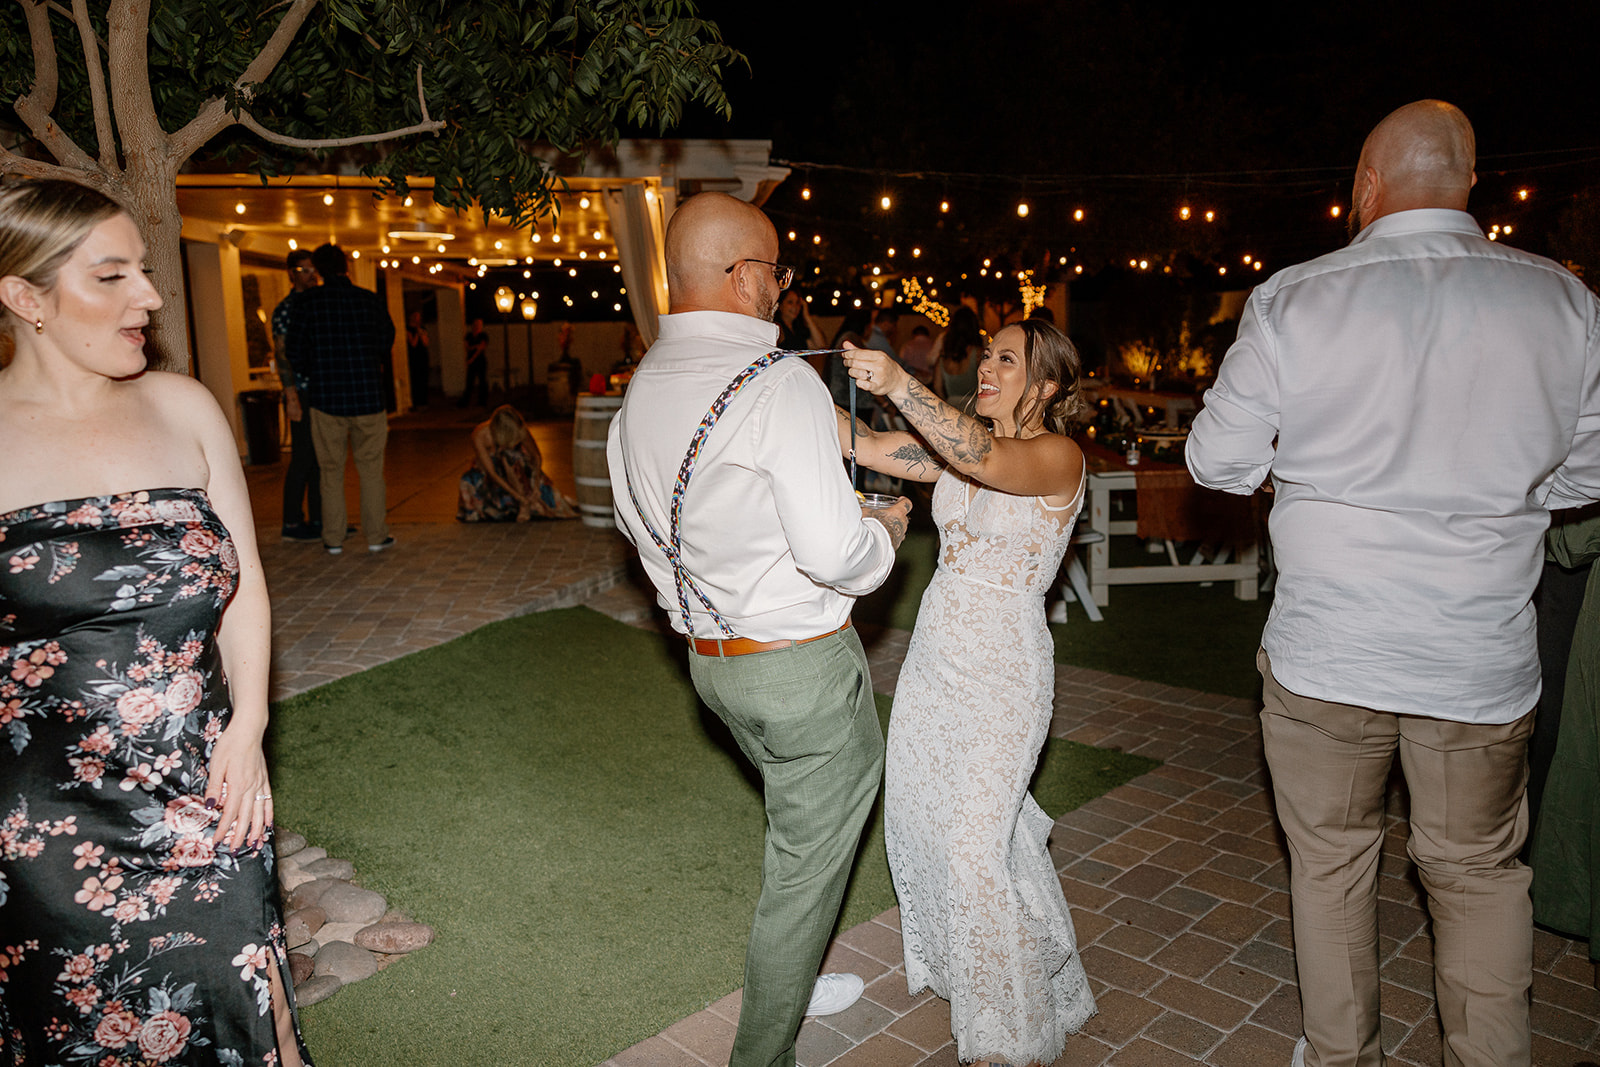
column 1047, row 100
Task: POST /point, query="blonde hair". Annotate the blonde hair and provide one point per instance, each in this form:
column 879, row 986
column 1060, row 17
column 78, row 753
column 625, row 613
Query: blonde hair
column 507, row 427
column 42, row 222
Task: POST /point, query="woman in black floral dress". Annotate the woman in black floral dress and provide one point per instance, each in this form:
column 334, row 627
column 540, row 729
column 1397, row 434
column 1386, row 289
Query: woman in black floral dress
column 139, row 920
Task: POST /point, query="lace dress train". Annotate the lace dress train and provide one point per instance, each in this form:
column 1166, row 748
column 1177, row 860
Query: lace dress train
column 982, row 915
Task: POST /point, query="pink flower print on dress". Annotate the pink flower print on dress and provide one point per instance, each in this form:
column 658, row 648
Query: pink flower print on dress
column 192, row 851
column 85, row 997
column 33, row 669
column 116, row 1029
column 251, row 958
column 11, row 709
column 24, row 561
column 99, row 893
column 184, row 693
column 140, row 707
column 163, row 1036
column 162, row 889
column 135, row 908
column 100, row 742
column 88, row 769
column 177, row 511
column 79, row 968
column 88, row 855
column 142, row 775
column 133, row 510
column 200, row 543
column 188, row 815
column 84, row 515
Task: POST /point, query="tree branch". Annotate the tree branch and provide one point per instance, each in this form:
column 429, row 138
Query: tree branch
column 66, row 13
column 213, row 116
column 248, row 122
column 35, row 106
column 45, row 76
column 128, row 38
column 11, row 163
column 97, row 86
column 267, row 59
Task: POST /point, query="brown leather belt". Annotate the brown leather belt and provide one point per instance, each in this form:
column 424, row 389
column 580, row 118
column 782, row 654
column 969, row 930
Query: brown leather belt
column 743, row 646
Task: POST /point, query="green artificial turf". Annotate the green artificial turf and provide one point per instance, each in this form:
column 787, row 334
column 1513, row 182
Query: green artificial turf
column 1177, row 634
column 549, row 794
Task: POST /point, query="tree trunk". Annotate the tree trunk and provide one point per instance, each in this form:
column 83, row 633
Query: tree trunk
column 150, row 193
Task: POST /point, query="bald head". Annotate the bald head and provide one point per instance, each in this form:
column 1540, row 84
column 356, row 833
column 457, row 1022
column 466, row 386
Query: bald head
column 1421, row 155
column 708, row 234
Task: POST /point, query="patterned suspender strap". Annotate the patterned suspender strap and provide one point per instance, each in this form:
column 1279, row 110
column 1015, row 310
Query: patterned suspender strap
column 671, row 546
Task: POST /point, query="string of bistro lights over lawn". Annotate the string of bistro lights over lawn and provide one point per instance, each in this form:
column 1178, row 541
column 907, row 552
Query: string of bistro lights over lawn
column 923, row 239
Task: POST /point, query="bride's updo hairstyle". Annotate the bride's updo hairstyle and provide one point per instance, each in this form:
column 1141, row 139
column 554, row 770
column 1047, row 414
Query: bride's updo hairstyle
column 1051, row 357
column 41, row 224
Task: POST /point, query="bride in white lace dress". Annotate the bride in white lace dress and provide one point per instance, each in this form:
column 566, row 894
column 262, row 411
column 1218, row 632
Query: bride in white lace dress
column 981, row 911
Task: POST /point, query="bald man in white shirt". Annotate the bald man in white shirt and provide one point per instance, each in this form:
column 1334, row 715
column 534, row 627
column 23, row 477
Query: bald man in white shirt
column 1421, row 398
column 772, row 551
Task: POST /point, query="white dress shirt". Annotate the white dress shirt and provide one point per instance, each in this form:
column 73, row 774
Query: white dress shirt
column 1420, row 398
column 772, row 531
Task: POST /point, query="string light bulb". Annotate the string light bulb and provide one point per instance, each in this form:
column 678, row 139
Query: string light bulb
column 1211, row 216
column 805, row 193
column 1022, row 209
column 1334, row 211
column 1183, row 213
column 885, row 203
column 1077, row 216
column 1522, row 194
column 944, row 207
column 327, row 198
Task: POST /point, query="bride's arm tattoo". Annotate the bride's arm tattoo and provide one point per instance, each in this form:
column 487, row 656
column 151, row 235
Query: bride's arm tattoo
column 915, row 458
column 959, row 438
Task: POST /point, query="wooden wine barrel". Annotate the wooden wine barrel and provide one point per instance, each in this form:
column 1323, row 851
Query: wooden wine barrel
column 590, row 423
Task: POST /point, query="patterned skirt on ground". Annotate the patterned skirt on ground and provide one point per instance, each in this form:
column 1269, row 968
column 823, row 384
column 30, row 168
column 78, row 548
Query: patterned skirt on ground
column 483, row 500
column 125, row 936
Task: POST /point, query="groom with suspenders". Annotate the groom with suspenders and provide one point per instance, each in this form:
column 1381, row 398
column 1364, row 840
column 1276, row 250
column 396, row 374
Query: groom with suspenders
column 725, row 467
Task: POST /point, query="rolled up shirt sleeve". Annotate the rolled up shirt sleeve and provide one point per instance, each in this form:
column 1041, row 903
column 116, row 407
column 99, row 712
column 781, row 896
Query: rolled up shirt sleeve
column 797, row 450
column 1230, row 445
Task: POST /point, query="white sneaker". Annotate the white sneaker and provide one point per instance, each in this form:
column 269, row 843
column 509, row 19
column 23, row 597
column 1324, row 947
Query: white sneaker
column 1299, row 1053
column 834, row 993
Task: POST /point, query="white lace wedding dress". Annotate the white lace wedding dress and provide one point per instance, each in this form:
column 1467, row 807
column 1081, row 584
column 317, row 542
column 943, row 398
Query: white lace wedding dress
column 981, row 912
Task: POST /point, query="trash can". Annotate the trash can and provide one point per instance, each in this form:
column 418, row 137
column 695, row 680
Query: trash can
column 259, row 410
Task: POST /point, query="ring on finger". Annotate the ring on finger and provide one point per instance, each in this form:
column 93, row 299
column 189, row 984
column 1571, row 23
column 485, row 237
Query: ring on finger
column 263, row 796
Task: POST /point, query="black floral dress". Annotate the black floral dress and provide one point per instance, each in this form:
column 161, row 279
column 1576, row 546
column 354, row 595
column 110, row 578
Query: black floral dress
column 126, row 936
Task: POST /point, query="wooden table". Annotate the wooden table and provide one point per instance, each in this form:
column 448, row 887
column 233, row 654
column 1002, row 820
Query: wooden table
column 1109, row 473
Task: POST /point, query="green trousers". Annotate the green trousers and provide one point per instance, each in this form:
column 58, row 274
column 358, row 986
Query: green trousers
column 805, row 717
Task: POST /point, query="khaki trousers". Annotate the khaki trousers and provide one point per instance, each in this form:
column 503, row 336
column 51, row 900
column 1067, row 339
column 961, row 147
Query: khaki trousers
column 1469, row 815
column 365, row 437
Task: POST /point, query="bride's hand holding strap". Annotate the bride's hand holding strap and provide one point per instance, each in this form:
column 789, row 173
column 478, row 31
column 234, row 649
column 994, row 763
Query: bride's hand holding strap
column 1048, row 464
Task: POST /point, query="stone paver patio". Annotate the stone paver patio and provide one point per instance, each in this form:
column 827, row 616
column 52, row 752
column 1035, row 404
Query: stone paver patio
column 1177, row 879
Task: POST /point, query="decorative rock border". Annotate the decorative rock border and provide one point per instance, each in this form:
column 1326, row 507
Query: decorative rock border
column 337, row 932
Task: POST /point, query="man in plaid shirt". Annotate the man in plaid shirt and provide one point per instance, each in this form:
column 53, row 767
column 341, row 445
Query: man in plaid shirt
column 340, row 333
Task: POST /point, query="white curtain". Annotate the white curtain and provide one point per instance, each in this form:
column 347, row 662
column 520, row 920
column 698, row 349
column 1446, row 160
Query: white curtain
column 638, row 223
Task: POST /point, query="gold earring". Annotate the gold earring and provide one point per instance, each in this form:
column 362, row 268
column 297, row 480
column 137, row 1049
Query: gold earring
column 38, row 326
